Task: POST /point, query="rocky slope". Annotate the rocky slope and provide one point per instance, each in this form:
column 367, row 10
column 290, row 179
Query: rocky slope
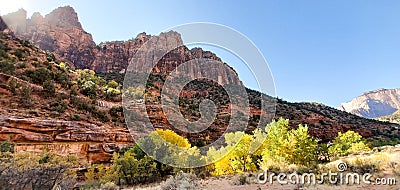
column 374, row 104
column 393, row 118
column 35, row 122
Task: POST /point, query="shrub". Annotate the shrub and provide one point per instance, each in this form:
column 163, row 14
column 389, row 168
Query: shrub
column 95, row 172
column 63, row 66
column 21, row 66
column 4, row 55
column 20, row 54
column 240, row 180
column 25, row 96
column 109, row 186
column 75, row 117
column 48, row 89
column 112, row 94
column 112, row 84
column 50, row 56
column 127, row 169
column 36, row 171
column 173, row 138
column 116, row 111
column 133, row 93
column 6, row 146
column 102, row 115
column 58, row 106
column 4, row 46
column 89, row 75
column 89, row 89
column 363, row 166
column 38, row 76
column 13, row 85
column 7, row 67
column 180, row 181
column 61, row 78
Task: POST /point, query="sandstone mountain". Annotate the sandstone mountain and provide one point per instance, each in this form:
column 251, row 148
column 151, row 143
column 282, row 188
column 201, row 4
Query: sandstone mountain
column 61, row 32
column 374, row 104
column 83, row 112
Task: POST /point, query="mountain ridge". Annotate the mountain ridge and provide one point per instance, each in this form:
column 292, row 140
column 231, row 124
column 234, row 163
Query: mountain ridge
column 61, row 32
column 373, row 104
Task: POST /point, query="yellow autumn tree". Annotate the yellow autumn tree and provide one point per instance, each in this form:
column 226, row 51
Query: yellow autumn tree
column 347, row 143
column 283, row 147
column 235, row 157
column 170, row 148
column 173, row 138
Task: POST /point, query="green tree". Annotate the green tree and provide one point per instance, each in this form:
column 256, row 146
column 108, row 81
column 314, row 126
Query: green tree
column 283, row 147
column 276, row 150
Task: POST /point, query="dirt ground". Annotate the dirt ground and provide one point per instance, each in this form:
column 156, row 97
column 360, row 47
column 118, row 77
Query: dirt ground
column 227, row 183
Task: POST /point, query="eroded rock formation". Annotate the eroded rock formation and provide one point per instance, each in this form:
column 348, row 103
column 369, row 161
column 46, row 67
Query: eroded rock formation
column 96, row 143
column 61, row 32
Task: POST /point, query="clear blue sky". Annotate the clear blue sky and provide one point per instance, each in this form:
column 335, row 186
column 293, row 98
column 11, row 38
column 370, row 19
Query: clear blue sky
column 321, row 51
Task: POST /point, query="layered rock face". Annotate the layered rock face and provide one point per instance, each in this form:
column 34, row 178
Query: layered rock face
column 94, row 143
column 374, row 104
column 61, row 32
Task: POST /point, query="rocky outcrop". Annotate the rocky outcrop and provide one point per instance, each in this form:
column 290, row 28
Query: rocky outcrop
column 61, row 32
column 115, row 56
column 374, row 104
column 96, row 143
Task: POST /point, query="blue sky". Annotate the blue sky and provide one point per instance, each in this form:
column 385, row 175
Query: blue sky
column 321, row 51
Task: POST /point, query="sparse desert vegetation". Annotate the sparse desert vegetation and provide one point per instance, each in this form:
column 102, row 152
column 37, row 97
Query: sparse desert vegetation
column 62, row 120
